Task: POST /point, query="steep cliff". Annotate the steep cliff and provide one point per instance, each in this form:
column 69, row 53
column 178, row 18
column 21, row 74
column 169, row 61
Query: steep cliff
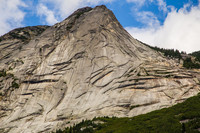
column 82, row 67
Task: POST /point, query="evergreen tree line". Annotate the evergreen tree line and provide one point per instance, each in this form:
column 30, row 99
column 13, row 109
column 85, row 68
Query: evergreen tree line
column 187, row 63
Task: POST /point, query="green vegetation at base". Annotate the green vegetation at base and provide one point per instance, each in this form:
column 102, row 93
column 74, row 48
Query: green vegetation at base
column 181, row 118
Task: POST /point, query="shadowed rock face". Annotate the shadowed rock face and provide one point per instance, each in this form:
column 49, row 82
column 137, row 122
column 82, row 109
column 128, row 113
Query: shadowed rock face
column 83, row 67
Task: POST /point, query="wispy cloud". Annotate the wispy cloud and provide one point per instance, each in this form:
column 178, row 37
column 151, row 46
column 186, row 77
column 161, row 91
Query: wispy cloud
column 56, row 10
column 160, row 3
column 147, row 18
column 180, row 30
column 138, row 2
column 11, row 14
column 162, row 6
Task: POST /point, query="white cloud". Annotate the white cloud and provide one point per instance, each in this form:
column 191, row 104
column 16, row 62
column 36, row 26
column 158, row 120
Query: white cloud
column 181, row 30
column 11, row 14
column 56, row 10
column 42, row 10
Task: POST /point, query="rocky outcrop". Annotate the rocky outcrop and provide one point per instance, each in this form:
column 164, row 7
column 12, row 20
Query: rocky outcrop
column 84, row 67
column 12, row 42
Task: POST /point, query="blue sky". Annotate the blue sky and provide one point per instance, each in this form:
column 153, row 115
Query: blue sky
column 164, row 23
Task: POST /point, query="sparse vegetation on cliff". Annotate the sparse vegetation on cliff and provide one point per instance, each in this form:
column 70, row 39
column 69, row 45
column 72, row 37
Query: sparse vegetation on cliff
column 2, row 73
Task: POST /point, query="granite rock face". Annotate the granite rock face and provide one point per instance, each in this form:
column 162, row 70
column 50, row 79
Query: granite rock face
column 82, row 67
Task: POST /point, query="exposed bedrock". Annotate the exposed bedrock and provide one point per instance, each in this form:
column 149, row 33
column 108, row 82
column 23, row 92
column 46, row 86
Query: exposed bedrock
column 83, row 67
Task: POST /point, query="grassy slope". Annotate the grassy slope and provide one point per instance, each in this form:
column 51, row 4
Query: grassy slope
column 161, row 121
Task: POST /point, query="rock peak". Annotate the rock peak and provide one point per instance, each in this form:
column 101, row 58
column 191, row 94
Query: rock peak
column 81, row 10
column 102, row 7
column 86, row 9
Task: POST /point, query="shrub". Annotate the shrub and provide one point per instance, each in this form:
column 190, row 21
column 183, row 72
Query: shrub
column 15, row 85
column 3, row 73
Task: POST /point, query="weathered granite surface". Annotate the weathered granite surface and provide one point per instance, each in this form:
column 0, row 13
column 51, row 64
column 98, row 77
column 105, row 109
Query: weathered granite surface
column 82, row 67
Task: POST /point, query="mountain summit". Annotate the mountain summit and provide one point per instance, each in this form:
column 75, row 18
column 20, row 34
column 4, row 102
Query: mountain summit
column 83, row 67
